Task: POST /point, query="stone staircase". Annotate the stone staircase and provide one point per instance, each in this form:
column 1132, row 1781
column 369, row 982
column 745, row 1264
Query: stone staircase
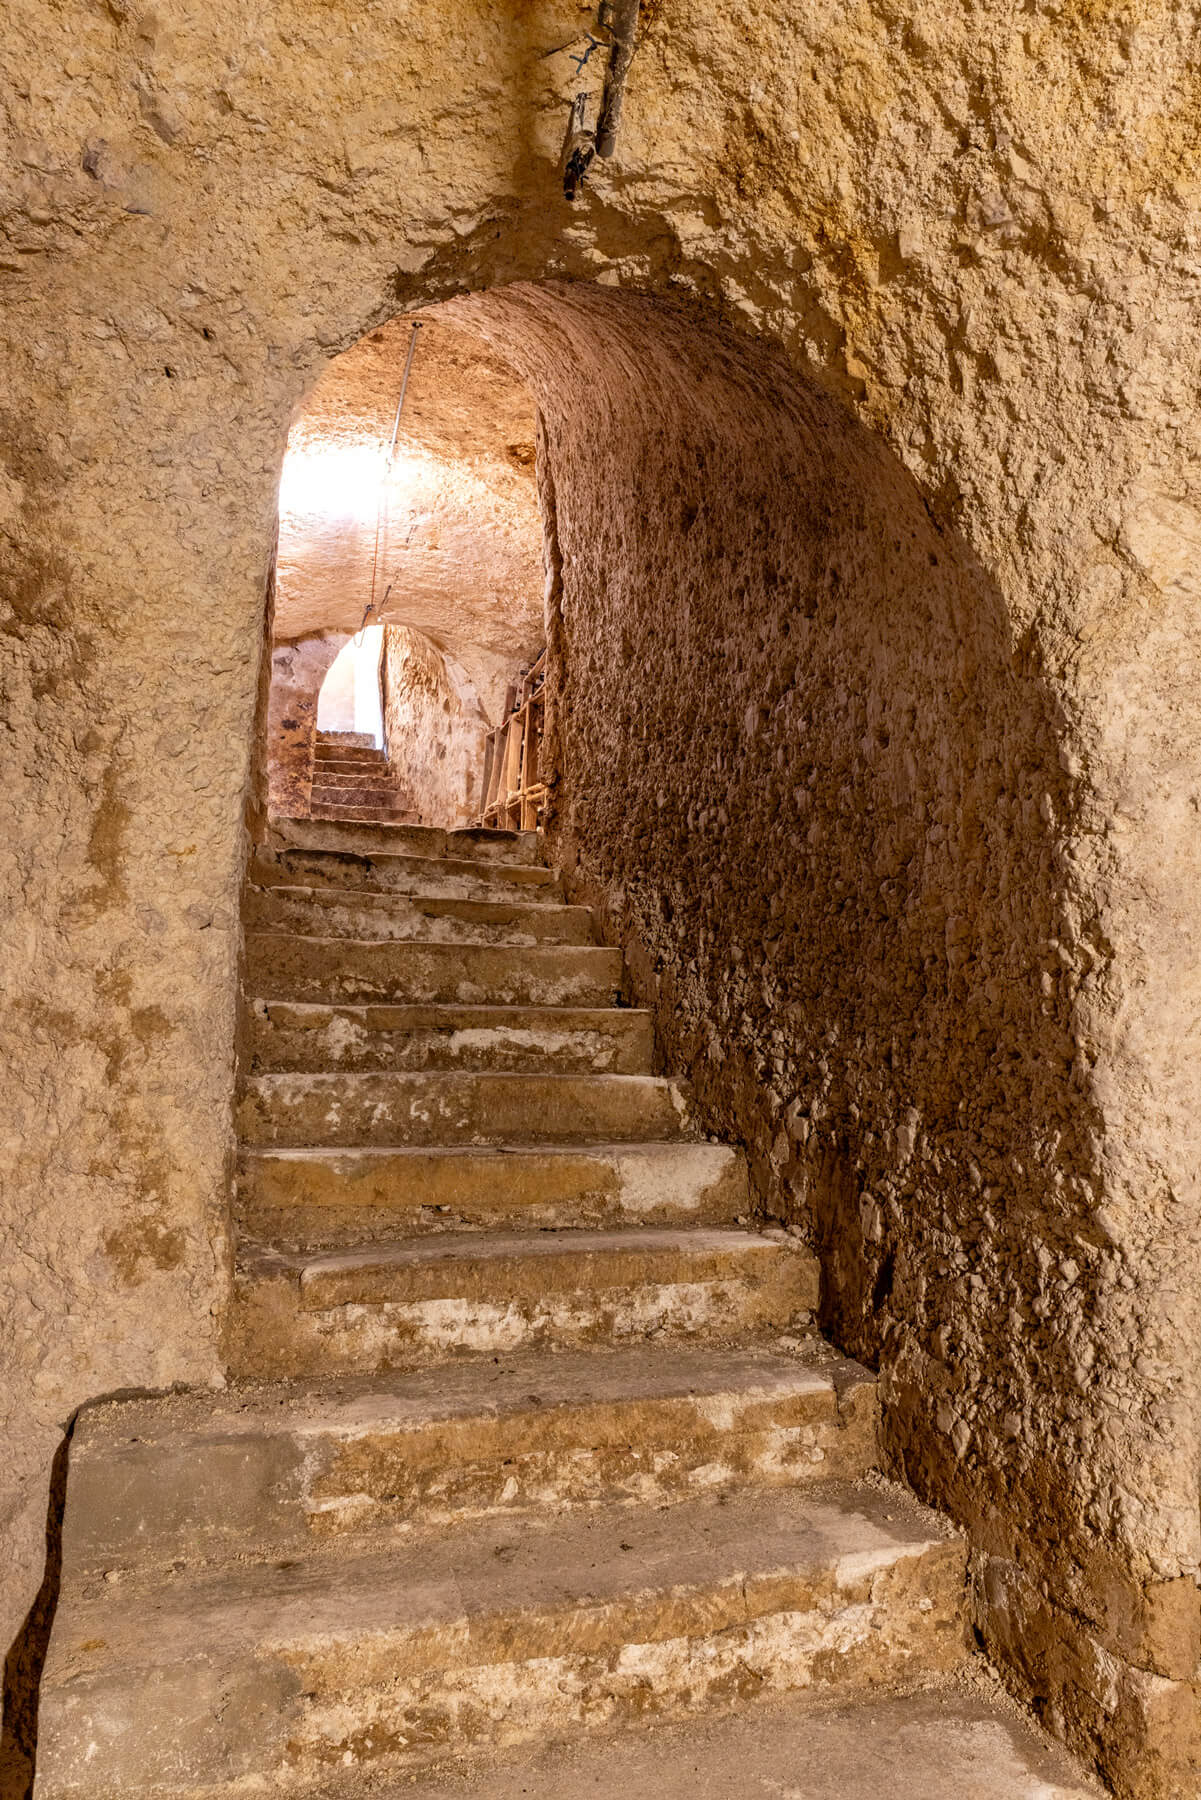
column 528, row 1433
column 354, row 780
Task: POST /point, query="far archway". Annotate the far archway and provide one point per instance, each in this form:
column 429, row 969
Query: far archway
column 408, row 598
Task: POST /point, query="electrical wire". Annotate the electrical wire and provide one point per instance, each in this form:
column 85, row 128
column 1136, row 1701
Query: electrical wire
column 383, row 490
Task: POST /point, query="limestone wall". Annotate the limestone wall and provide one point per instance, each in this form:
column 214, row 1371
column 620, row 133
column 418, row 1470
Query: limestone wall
column 837, row 812
column 297, row 672
column 976, row 231
column 434, row 729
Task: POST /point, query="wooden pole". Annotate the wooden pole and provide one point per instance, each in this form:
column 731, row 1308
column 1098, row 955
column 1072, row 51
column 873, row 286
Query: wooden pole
column 623, row 23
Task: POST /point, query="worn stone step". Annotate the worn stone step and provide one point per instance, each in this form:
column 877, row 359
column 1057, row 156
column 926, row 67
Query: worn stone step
column 263, row 1471
column 346, row 779
column 962, row 1739
column 501, row 1632
column 456, row 1106
column 380, row 813
column 353, row 742
column 363, row 769
column 372, row 914
column 351, row 768
column 319, row 1198
column 286, row 966
column 342, row 776
column 304, row 1035
column 397, row 1305
column 473, row 844
column 338, row 761
column 366, row 801
column 428, row 877
column 357, row 796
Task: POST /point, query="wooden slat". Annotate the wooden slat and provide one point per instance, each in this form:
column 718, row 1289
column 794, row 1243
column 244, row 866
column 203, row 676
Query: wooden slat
column 513, row 792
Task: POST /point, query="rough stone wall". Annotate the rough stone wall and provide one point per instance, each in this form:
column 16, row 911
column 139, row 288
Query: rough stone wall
column 434, row 729
column 297, row 671
column 976, row 228
column 835, row 809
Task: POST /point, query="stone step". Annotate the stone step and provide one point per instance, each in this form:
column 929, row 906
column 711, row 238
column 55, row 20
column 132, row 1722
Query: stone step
column 351, row 741
column 283, row 966
column 348, row 762
column 268, row 1471
column 349, row 766
column 398, row 1305
column 471, row 843
column 962, row 1739
column 372, row 914
column 303, row 1035
column 341, row 1197
column 338, row 812
column 367, row 800
column 379, row 777
column 497, row 1633
column 427, row 877
column 456, row 1106
column 346, row 778
column 341, row 776
column 351, row 798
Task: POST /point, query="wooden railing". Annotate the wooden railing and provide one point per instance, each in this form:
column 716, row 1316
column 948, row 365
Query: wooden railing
column 514, row 791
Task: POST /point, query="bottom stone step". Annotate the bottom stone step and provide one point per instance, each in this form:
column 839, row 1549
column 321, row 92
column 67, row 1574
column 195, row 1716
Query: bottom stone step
column 271, row 1470
column 957, row 1742
column 492, row 1635
column 327, row 1197
column 424, row 1299
column 335, row 812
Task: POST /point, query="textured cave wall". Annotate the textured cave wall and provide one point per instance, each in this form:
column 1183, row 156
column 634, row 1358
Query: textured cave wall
column 297, row 672
column 434, row 729
column 832, row 803
column 978, row 230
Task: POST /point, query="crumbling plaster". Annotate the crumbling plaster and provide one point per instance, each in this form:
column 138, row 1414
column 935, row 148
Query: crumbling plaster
column 978, row 230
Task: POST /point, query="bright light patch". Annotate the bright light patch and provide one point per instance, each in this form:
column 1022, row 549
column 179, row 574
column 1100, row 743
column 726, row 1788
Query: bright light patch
column 350, row 694
column 341, row 481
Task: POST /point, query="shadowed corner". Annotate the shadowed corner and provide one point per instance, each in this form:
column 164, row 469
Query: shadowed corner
column 27, row 1654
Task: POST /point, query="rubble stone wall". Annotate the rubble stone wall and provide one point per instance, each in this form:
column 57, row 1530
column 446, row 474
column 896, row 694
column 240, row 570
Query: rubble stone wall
column 837, row 810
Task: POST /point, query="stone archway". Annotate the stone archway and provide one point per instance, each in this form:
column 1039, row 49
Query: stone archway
column 126, row 814
column 815, row 776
